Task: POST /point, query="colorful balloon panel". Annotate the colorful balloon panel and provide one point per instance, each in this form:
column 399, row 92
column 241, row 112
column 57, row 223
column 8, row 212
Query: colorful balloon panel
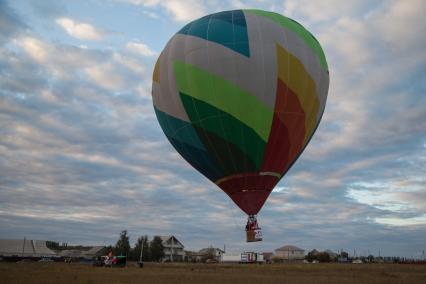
column 239, row 94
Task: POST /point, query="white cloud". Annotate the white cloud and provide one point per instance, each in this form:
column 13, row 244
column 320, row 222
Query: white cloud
column 35, row 48
column 130, row 63
column 105, row 76
column 364, row 49
column 185, row 10
column 62, row 61
column 330, row 9
column 151, row 14
column 420, row 220
column 110, row 70
column 182, row 10
column 407, row 20
column 145, row 2
column 140, row 48
column 78, row 30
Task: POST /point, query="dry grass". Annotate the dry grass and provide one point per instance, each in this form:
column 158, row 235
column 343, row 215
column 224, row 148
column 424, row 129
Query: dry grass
column 212, row 273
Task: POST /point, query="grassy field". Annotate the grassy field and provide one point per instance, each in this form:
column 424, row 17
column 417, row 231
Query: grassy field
column 212, row 273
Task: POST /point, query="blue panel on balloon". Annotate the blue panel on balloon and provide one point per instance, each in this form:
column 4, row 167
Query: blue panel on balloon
column 199, row 159
column 186, row 141
column 226, row 28
column 179, row 129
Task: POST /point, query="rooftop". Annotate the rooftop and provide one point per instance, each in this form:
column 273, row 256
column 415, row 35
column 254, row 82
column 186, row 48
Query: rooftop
column 289, row 247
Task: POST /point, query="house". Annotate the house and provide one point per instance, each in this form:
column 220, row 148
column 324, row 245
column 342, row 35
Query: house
column 96, row 251
column 17, row 249
column 84, row 253
column 290, row 253
column 173, row 249
column 71, row 254
column 209, row 253
column 190, row 256
column 267, row 257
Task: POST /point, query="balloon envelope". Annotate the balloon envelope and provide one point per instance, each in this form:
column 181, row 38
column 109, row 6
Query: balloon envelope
column 239, row 94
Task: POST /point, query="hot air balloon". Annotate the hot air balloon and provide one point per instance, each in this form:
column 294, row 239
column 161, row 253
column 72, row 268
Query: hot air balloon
column 239, row 94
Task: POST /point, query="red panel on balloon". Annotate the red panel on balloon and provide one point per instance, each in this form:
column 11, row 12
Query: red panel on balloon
column 249, row 191
column 287, row 132
column 276, row 153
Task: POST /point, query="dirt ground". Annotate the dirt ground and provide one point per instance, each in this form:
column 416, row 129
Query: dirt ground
column 212, row 273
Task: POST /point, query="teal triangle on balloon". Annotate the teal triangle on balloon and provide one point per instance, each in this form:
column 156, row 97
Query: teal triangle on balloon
column 229, row 29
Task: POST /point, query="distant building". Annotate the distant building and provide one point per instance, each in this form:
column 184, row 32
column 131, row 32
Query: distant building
column 173, row 248
column 190, row 256
column 267, row 256
column 209, row 253
column 90, row 253
column 71, row 253
column 96, row 251
column 290, row 253
column 24, row 248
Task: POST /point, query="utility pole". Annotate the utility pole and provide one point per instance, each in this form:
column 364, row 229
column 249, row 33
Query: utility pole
column 23, row 247
column 140, row 257
column 171, row 252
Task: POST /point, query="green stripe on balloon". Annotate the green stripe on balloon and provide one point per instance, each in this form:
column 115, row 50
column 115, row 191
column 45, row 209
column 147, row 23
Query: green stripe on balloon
column 224, row 95
column 227, row 127
column 297, row 28
column 230, row 159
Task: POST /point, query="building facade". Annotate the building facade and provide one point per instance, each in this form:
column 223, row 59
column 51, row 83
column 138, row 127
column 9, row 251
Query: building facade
column 90, row 253
column 209, row 253
column 173, row 249
column 22, row 248
column 290, row 253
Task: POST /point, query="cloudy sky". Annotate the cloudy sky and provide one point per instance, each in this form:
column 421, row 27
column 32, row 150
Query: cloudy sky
column 83, row 157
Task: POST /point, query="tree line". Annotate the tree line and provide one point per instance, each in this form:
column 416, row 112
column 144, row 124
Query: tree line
column 152, row 250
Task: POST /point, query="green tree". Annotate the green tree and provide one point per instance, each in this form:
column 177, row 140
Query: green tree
column 156, row 249
column 323, row 257
column 312, row 255
column 136, row 251
column 122, row 247
column 53, row 245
